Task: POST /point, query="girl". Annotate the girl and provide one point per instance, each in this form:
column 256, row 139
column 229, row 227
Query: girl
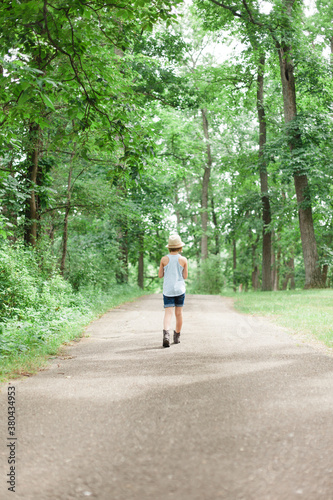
column 174, row 270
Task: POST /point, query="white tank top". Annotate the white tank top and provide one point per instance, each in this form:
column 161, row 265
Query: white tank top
column 173, row 284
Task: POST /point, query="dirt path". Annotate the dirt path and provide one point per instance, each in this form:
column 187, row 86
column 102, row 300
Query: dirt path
column 238, row 410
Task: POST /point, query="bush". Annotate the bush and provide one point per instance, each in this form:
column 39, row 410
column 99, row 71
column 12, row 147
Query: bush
column 39, row 312
column 209, row 277
column 18, row 280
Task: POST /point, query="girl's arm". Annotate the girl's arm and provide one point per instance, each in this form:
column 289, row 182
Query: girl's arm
column 185, row 270
column 161, row 269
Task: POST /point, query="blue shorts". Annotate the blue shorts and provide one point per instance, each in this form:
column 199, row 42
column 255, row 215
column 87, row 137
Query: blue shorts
column 177, row 301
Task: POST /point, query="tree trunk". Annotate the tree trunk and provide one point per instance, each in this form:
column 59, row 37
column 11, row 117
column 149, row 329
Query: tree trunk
column 141, row 261
column 67, row 210
column 234, row 264
column 255, row 269
column 177, row 212
column 255, row 278
column 275, row 263
column 324, row 274
column 216, row 229
column 310, row 254
column 30, row 233
column 51, row 234
column 290, row 275
column 122, row 270
column 204, row 193
column 266, row 209
column 194, row 220
column 277, row 276
column 273, row 271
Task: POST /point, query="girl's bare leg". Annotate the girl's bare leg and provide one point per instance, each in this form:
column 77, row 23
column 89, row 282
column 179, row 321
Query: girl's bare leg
column 179, row 318
column 168, row 312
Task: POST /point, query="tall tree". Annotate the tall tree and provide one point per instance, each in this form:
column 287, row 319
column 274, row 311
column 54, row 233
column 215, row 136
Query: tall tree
column 59, row 59
column 282, row 26
column 205, row 188
column 266, row 208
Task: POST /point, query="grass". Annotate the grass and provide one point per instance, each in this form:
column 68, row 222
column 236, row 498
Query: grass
column 26, row 345
column 306, row 312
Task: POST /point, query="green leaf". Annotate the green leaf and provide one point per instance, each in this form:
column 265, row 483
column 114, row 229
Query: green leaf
column 24, row 97
column 47, row 101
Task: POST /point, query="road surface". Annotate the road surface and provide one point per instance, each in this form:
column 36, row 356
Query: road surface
column 239, row 410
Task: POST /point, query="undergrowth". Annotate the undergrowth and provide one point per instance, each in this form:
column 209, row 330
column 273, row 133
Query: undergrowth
column 40, row 311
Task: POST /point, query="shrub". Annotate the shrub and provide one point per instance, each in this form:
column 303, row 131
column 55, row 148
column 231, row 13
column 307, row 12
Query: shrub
column 209, row 277
column 39, row 311
column 18, row 280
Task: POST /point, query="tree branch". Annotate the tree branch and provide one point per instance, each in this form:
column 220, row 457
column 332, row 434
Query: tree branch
column 248, row 10
column 250, row 17
column 228, row 7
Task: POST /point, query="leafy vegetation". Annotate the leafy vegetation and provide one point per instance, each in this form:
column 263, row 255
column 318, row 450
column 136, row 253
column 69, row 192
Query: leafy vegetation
column 41, row 311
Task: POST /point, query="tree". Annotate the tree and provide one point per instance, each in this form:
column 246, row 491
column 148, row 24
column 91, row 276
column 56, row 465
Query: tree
column 266, row 208
column 282, row 25
column 58, row 59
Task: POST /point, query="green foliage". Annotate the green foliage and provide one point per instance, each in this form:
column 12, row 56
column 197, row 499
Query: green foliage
column 4, row 227
column 209, row 277
column 92, row 255
column 40, row 312
column 19, row 281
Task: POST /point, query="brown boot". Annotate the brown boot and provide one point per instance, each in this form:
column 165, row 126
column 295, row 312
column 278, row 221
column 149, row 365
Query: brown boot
column 176, row 337
column 166, row 338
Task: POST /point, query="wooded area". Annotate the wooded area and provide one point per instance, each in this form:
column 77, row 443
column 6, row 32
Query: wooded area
column 123, row 122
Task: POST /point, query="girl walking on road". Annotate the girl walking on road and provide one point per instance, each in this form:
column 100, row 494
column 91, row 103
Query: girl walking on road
column 174, row 270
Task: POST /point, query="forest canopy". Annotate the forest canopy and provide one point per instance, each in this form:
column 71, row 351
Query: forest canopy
column 124, row 122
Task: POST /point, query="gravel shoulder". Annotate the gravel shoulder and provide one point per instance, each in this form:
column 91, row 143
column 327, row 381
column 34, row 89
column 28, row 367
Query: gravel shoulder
column 239, row 410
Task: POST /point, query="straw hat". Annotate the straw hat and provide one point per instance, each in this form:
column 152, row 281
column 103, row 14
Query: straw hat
column 175, row 242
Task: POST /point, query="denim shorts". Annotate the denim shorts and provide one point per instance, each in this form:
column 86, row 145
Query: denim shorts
column 177, row 301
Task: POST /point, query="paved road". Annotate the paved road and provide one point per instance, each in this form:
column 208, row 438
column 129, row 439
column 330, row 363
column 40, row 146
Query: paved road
column 238, row 410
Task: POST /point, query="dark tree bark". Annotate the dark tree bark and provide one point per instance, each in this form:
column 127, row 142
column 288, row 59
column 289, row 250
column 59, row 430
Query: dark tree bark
column 266, row 209
column 205, row 187
column 324, row 274
column 31, row 218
